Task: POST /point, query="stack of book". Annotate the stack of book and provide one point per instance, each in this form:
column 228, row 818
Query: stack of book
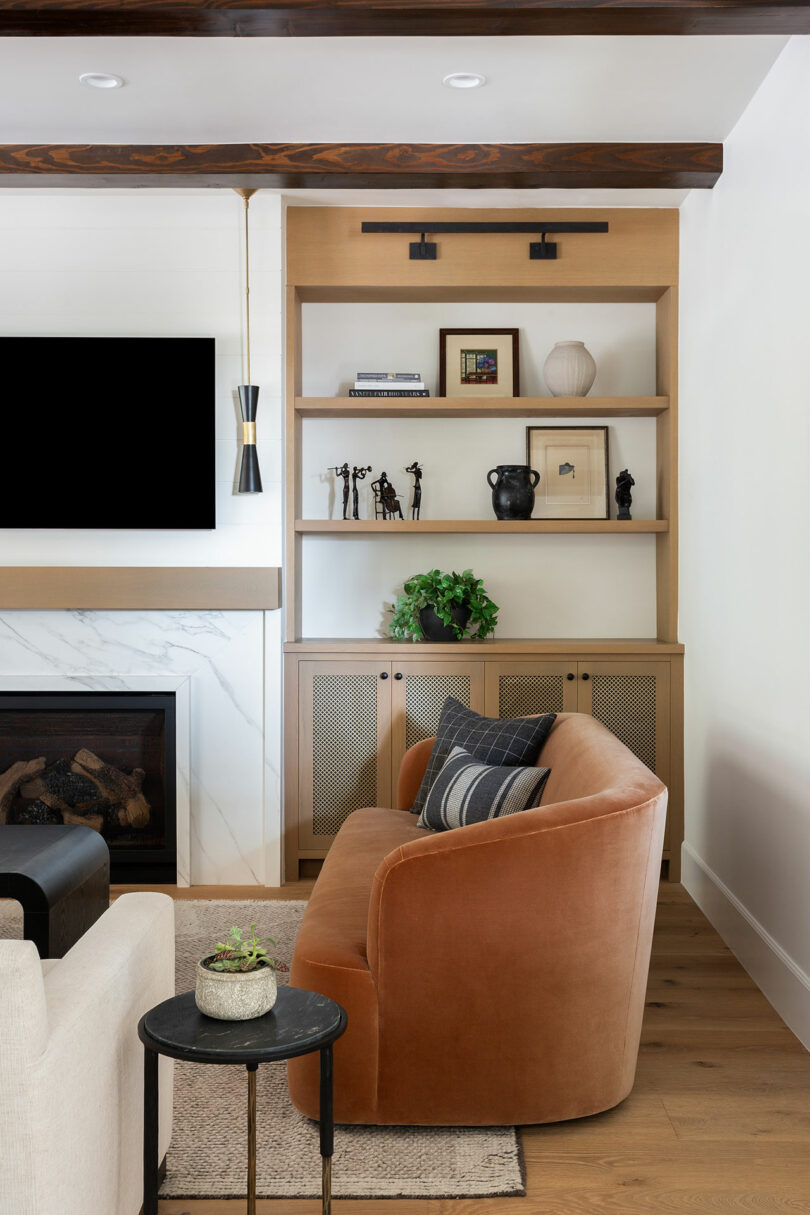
column 389, row 384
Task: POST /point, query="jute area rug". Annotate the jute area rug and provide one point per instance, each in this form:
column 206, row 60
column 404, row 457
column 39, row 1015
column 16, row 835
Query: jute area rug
column 208, row 1155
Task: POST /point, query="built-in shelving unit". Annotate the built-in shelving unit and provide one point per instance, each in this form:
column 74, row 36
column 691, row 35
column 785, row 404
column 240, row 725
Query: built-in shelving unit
column 354, row 703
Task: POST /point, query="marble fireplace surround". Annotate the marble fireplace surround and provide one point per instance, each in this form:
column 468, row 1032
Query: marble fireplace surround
column 219, row 665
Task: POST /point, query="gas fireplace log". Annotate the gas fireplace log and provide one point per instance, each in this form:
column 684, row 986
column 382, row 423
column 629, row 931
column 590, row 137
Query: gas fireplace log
column 116, row 786
column 12, row 778
column 91, row 814
column 95, row 821
column 75, row 791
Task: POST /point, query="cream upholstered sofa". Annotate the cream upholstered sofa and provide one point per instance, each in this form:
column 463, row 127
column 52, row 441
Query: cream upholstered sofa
column 71, row 1064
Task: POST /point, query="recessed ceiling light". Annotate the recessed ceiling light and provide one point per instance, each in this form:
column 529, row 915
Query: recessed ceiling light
column 101, row 80
column 464, row 80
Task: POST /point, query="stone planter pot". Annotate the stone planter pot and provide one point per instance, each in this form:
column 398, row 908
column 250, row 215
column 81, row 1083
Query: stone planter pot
column 434, row 627
column 569, row 371
column 235, row 997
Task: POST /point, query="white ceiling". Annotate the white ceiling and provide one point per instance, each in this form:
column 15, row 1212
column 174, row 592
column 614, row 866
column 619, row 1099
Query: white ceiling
column 201, row 90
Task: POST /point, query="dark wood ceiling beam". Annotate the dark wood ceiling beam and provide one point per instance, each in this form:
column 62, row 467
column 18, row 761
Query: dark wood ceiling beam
column 458, row 18
column 367, row 165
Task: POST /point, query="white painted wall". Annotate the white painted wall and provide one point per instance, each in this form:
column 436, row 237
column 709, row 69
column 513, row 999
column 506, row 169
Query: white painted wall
column 548, row 586
column 155, row 263
column 170, row 263
column 745, row 574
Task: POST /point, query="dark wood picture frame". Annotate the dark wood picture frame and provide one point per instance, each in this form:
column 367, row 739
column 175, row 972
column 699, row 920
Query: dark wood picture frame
column 463, row 331
column 605, row 429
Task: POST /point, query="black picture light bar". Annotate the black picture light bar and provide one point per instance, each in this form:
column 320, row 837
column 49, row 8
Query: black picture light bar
column 424, row 250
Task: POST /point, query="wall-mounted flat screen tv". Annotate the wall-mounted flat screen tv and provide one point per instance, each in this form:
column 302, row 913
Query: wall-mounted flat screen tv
column 107, row 432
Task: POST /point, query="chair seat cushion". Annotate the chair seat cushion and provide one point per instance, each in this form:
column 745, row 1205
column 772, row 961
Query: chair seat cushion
column 335, row 924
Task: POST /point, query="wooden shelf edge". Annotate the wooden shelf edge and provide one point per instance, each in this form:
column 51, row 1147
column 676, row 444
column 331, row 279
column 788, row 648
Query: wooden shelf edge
column 384, row 293
column 399, row 527
column 515, row 645
column 494, row 407
column 146, row 588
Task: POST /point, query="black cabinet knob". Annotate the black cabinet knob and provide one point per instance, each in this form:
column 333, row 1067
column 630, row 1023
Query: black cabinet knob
column 398, row 675
column 570, row 675
column 585, row 675
column 383, row 674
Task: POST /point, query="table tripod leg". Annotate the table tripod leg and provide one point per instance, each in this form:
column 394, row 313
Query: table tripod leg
column 251, row 1176
column 150, row 1132
column 327, row 1129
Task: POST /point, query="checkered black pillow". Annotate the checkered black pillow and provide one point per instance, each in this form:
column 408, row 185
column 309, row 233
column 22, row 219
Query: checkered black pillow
column 506, row 741
column 466, row 791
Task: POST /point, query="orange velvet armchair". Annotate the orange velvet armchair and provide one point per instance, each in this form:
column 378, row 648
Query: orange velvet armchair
column 494, row 974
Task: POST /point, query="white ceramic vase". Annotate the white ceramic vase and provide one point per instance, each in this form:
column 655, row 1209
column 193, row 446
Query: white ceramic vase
column 569, row 371
column 235, row 996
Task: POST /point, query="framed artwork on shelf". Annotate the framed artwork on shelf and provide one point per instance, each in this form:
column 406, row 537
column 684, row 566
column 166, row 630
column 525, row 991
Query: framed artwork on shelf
column 479, row 363
column 573, row 466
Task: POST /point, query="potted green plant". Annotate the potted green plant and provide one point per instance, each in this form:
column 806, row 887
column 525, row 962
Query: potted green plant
column 238, row 981
column 441, row 607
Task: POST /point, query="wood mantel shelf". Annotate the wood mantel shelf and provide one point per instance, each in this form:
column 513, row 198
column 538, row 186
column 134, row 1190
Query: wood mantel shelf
column 125, row 588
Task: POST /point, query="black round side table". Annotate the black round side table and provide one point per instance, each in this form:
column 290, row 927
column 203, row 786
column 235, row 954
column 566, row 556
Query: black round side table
column 299, row 1023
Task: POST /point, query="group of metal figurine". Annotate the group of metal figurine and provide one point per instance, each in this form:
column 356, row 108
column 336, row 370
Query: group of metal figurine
column 386, row 499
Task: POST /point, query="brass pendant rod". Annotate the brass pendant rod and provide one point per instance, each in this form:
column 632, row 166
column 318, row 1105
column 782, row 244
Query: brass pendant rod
column 246, row 195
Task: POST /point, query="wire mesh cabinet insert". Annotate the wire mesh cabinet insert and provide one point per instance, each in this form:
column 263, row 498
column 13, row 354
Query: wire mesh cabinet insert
column 344, row 749
column 418, row 693
column 519, row 689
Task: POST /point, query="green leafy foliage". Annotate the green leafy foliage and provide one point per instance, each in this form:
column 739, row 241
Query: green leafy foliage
column 241, row 952
column 443, row 592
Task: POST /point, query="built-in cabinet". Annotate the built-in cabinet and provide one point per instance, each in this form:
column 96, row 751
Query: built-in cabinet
column 357, row 717
column 355, row 703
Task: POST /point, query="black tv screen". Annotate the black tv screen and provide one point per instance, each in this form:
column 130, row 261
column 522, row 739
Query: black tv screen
column 107, row 433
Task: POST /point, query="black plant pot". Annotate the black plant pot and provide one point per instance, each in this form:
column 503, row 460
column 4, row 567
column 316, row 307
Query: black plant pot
column 434, row 627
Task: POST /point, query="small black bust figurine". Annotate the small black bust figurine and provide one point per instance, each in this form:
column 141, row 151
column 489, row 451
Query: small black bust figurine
column 624, row 499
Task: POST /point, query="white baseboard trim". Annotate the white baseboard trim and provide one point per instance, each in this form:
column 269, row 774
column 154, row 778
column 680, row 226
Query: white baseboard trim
column 778, row 976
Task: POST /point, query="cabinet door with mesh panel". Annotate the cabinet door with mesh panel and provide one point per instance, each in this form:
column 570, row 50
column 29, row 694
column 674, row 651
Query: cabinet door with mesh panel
column 418, row 693
column 632, row 700
column 344, row 750
column 524, row 688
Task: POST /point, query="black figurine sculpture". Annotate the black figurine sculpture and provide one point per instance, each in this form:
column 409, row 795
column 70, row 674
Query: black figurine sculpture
column 386, row 498
column 417, row 488
column 343, row 472
column 358, row 474
column 624, row 499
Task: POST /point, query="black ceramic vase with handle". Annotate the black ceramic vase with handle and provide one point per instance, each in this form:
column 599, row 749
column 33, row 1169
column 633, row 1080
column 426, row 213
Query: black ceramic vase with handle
column 513, row 490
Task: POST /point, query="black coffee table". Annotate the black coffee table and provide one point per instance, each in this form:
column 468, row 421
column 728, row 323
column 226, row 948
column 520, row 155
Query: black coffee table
column 61, row 877
column 299, row 1023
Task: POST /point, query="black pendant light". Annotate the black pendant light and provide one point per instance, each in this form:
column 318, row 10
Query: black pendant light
column 250, row 479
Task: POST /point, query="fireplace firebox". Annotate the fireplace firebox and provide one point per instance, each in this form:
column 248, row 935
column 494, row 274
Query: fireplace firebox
column 103, row 759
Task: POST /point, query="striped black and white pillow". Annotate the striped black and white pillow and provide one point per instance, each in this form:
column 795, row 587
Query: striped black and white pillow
column 491, row 740
column 466, row 791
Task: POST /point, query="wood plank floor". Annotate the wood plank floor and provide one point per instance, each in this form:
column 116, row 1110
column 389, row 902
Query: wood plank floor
column 719, row 1120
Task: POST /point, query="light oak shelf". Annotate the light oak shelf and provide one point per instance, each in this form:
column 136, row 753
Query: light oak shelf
column 493, row 407
column 384, row 646
column 468, row 293
column 398, row 527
